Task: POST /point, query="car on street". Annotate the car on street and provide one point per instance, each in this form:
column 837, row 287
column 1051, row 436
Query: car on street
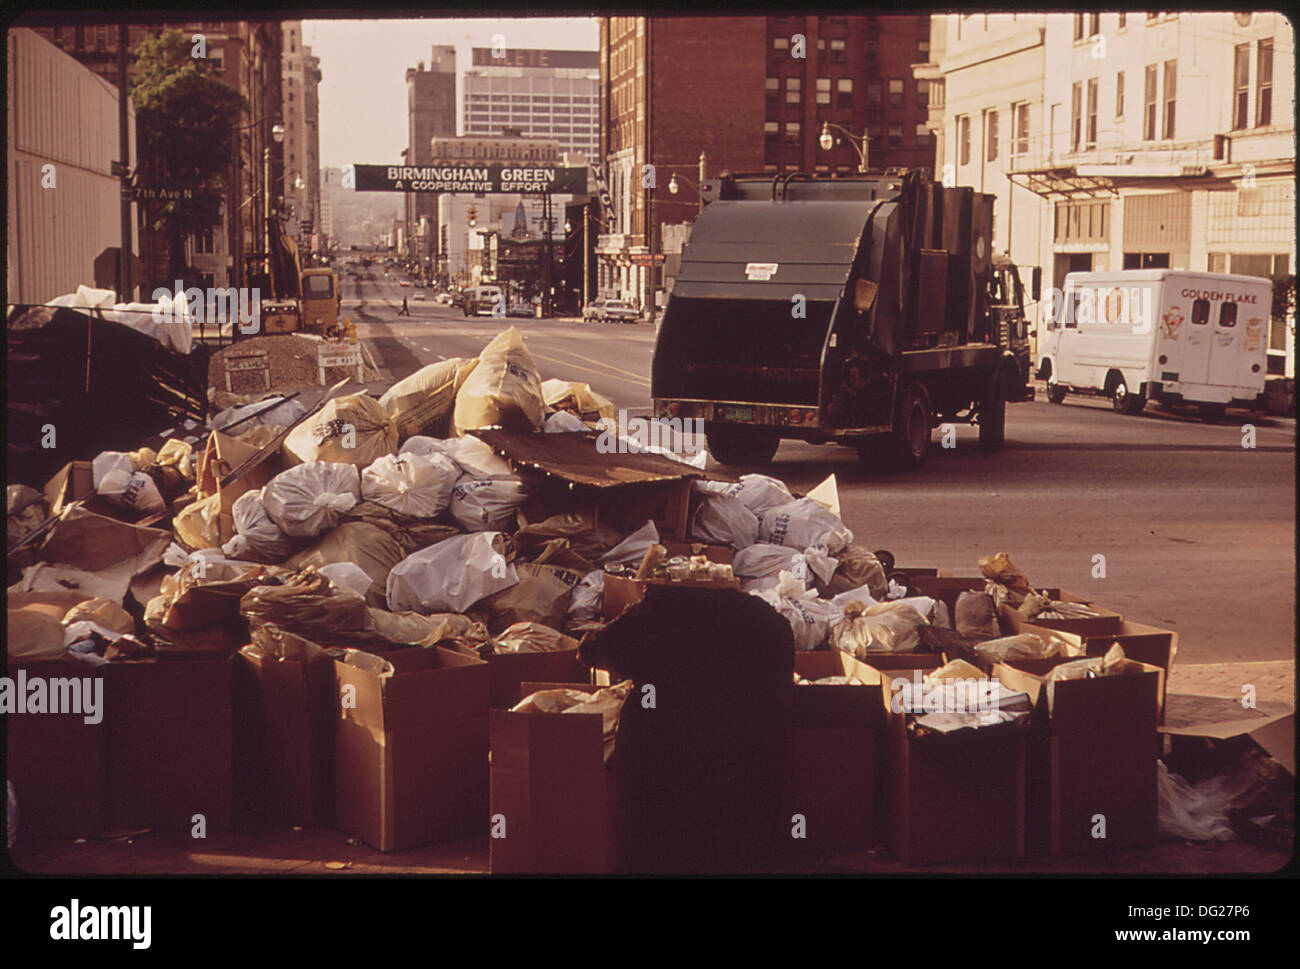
column 418, row 294
column 404, row 282
column 444, row 299
column 610, row 310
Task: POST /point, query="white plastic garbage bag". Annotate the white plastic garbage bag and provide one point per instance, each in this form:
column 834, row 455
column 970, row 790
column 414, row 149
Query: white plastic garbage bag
column 632, row 549
column 412, row 484
column 587, row 602
column 884, row 627
column 452, row 575
column 725, row 521
column 504, row 390
column 1188, row 813
column 757, row 492
column 809, row 616
column 758, row 566
column 310, row 498
column 487, row 504
column 472, row 456
column 802, row 524
column 345, row 575
column 259, row 412
column 255, row 532
column 562, row 422
column 117, row 478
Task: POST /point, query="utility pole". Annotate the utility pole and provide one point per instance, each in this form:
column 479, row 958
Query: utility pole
column 586, row 261
column 124, row 151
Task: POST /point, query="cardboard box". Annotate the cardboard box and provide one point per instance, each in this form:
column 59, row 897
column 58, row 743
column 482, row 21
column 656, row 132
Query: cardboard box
column 622, row 592
column 722, row 554
column 836, row 732
column 56, row 761
column 284, row 739
column 552, row 796
column 75, row 480
column 1095, row 755
column 169, row 743
column 953, row 799
column 509, row 670
column 222, row 455
column 411, row 746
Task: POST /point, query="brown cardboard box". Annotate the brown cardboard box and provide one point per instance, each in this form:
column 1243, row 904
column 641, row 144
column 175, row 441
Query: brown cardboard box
column 1096, row 755
column 284, row 739
column 222, row 455
column 168, row 750
column 509, row 670
column 952, row 799
column 552, row 797
column 836, row 731
column 411, row 754
column 56, row 761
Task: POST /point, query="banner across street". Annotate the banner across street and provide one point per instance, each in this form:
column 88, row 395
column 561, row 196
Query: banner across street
column 462, row 177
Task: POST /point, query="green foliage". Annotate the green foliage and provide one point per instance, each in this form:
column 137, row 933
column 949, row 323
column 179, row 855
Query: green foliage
column 185, row 118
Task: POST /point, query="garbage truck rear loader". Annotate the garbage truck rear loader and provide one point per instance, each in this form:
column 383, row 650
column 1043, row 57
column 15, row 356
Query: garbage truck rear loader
column 859, row 311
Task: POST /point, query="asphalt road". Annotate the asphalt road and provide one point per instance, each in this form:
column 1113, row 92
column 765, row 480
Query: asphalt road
column 1197, row 531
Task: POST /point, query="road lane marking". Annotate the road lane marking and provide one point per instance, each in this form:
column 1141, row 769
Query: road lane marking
column 578, row 366
column 611, row 367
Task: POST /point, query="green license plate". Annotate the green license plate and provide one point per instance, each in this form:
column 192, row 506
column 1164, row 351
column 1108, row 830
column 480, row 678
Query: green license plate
column 737, row 413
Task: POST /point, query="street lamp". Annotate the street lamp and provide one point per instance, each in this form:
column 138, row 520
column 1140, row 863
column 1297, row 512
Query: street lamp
column 859, row 142
column 277, row 133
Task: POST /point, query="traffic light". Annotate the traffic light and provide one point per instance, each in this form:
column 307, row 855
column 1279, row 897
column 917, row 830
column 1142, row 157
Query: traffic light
column 471, row 217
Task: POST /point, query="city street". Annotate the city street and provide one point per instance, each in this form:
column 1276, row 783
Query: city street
column 1198, row 533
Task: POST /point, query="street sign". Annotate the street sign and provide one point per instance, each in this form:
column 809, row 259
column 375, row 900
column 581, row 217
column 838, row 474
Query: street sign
column 645, row 259
column 142, row 193
column 344, row 355
column 252, row 362
column 462, row 177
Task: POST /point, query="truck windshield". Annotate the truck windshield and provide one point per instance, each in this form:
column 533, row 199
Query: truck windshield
column 318, row 287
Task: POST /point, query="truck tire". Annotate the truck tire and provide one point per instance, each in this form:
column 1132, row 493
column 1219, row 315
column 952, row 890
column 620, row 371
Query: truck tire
column 1212, row 413
column 1055, row 393
column 1123, row 401
column 993, row 415
column 740, row 443
column 912, row 428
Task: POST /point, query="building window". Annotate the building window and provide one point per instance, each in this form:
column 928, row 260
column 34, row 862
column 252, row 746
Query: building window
column 1123, row 20
column 844, row 92
column 1020, row 114
column 896, row 93
column 1076, row 115
column 792, row 132
column 963, row 138
column 1078, row 26
column 1149, row 99
column 924, row 136
column 1119, row 95
column 773, row 85
column 923, row 47
column 992, row 124
column 1171, row 94
column 895, row 136
column 1091, row 133
column 922, row 94
column 1264, row 84
column 823, row 90
column 875, row 92
column 1094, row 24
column 1240, row 86
column 837, row 51
column 780, row 43
column 792, row 88
column 771, row 130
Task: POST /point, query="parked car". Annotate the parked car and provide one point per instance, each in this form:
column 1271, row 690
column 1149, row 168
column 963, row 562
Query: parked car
column 444, row 299
column 418, row 294
column 521, row 307
column 404, row 282
column 609, row 310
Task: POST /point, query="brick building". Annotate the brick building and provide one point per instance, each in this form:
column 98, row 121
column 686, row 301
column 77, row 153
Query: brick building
column 431, row 113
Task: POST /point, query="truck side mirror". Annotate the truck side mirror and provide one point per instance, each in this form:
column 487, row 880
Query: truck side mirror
column 1036, row 286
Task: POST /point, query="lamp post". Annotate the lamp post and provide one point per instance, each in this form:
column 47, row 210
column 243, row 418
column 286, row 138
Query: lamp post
column 277, row 133
column 703, row 175
column 859, row 142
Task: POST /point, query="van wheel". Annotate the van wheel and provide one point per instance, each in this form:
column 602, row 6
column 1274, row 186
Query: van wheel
column 912, row 428
column 1212, row 413
column 993, row 415
column 885, row 558
column 1056, row 393
column 1123, row 401
column 740, row 443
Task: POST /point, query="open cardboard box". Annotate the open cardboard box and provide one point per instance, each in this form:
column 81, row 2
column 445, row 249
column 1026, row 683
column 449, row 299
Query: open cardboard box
column 552, row 797
column 222, row 455
column 508, row 670
column 957, row 798
column 56, row 761
column 169, row 742
column 836, row 733
column 1095, row 755
column 411, row 746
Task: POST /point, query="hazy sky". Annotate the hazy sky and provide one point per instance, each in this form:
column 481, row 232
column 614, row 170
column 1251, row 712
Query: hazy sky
column 363, row 72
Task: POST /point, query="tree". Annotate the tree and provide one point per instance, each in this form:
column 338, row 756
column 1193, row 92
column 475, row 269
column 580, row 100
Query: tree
column 185, row 119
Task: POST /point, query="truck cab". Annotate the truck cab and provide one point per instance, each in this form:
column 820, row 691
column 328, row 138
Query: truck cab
column 320, row 300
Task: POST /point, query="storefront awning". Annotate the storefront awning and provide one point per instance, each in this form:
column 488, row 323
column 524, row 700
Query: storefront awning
column 1096, row 181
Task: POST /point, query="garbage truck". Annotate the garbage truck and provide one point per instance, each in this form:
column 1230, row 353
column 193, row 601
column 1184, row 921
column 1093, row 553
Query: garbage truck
column 861, row 311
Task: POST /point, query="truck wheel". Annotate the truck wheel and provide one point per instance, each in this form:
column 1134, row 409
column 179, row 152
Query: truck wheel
column 912, row 428
column 1056, row 393
column 740, row 443
column 885, row 558
column 1123, row 401
column 993, row 416
column 1212, row 413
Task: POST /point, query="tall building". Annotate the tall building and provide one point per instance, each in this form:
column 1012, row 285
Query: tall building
column 431, row 113
column 301, row 76
column 245, row 56
column 1124, row 141
column 543, row 93
column 751, row 94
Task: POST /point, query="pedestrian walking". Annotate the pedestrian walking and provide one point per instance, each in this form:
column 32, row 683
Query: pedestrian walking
column 405, row 310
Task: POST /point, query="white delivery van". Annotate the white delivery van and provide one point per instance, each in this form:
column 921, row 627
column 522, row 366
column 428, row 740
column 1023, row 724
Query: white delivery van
column 1175, row 337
